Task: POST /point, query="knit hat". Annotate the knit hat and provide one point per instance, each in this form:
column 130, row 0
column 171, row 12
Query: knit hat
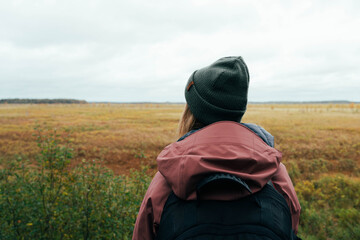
column 219, row 91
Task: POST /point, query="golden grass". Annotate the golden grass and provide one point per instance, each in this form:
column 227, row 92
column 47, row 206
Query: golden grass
column 314, row 139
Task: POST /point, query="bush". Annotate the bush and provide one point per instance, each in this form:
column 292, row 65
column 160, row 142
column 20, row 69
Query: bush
column 330, row 208
column 45, row 199
column 49, row 201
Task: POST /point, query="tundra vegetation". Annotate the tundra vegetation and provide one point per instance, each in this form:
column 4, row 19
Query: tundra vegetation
column 80, row 171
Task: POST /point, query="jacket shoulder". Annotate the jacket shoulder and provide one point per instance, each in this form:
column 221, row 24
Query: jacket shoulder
column 151, row 209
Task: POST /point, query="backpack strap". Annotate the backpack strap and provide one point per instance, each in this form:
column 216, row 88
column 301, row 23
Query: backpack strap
column 271, row 184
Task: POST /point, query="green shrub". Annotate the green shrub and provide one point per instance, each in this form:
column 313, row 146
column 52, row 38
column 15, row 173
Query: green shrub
column 49, row 201
column 45, row 199
column 309, row 168
column 330, row 208
column 348, row 165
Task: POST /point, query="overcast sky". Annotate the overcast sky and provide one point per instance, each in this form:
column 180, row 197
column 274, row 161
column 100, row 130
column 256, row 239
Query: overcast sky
column 132, row 50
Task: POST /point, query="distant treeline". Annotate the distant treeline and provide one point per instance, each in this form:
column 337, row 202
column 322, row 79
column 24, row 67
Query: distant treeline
column 250, row 102
column 39, row 101
column 306, row 102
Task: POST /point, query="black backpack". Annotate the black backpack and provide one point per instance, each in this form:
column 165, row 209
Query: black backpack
column 262, row 215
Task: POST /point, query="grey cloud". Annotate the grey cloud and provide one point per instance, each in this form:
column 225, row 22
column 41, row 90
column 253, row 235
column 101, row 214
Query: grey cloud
column 146, row 50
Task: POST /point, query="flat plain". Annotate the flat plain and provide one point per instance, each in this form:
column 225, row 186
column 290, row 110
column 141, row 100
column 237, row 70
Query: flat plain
column 320, row 146
column 124, row 136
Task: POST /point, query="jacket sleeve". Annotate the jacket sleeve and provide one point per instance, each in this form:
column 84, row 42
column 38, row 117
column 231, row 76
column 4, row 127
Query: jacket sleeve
column 283, row 184
column 149, row 215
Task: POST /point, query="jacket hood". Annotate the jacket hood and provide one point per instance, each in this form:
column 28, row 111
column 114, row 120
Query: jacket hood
column 222, row 147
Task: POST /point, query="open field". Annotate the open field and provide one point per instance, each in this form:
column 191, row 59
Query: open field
column 120, row 135
column 320, row 146
column 319, row 139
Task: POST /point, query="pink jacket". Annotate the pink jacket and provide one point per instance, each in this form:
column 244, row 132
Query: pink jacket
column 227, row 147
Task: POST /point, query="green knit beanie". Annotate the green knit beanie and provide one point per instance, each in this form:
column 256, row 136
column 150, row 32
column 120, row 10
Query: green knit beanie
column 219, row 91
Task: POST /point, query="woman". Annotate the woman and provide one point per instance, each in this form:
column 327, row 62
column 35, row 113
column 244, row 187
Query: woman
column 214, row 141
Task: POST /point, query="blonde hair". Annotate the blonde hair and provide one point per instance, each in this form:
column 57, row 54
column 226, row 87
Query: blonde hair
column 188, row 122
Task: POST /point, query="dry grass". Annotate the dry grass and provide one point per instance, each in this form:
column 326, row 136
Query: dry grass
column 120, row 135
column 314, row 139
column 320, row 144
